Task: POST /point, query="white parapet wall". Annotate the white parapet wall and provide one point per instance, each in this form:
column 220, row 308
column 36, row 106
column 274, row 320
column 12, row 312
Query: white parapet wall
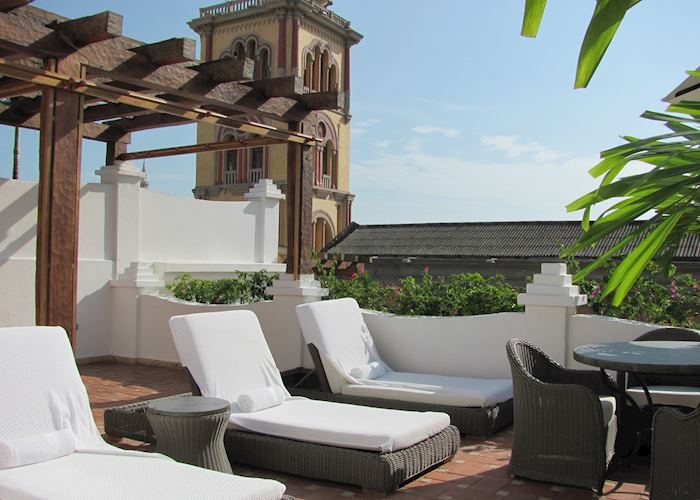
column 131, row 241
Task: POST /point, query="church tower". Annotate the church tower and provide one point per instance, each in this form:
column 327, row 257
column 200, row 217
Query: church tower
column 300, row 38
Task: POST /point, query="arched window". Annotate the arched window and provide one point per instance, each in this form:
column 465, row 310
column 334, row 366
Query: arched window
column 333, row 77
column 231, row 167
column 325, row 59
column 262, row 68
column 251, row 49
column 238, row 51
column 308, row 70
column 257, row 163
column 330, row 180
column 323, row 230
column 316, row 78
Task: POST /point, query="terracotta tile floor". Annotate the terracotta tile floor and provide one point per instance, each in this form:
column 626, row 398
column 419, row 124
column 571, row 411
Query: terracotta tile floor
column 478, row 471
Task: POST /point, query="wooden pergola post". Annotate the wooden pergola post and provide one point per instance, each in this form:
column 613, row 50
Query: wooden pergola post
column 59, row 198
column 300, row 178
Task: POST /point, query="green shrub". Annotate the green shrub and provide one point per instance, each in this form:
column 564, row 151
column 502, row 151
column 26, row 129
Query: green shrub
column 455, row 295
column 674, row 301
column 246, row 288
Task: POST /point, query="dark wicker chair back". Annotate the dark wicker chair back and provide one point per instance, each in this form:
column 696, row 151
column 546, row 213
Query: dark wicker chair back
column 675, row 458
column 560, row 434
column 672, row 334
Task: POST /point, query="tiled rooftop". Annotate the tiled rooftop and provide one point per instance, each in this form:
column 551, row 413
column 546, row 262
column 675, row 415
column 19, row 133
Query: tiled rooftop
column 478, row 471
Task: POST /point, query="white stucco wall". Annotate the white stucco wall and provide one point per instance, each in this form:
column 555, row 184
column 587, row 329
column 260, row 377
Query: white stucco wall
column 177, row 234
column 187, row 230
column 278, row 323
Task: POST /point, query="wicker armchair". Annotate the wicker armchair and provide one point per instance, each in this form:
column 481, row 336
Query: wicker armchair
column 675, row 457
column 657, row 382
column 564, row 420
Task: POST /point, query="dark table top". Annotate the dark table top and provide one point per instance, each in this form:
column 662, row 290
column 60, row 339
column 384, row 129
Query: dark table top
column 189, row 406
column 660, row 357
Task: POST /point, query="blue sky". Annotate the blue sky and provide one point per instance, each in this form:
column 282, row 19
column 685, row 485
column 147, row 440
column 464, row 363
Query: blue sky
column 455, row 116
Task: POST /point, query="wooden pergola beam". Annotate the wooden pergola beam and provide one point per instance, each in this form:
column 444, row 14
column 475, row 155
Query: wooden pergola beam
column 13, row 117
column 292, row 87
column 110, row 110
column 114, row 59
column 147, row 122
column 8, row 5
column 9, row 87
column 91, row 29
column 200, row 148
column 228, row 70
column 171, row 51
column 323, row 100
column 87, row 87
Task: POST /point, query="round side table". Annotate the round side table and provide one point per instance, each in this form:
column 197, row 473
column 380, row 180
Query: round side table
column 191, row 430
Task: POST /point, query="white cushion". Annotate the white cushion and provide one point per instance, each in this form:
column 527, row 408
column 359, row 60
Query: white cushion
column 347, row 426
column 41, row 392
column 608, row 404
column 434, row 389
column 36, row 449
column 226, row 354
column 261, row 399
column 369, row 371
column 338, row 330
column 119, row 476
column 667, row 395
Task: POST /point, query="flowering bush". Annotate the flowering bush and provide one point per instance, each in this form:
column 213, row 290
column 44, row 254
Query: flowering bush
column 675, row 303
column 246, row 288
column 456, row 295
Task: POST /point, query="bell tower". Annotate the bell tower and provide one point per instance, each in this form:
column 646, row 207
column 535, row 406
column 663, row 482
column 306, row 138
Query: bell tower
column 284, row 38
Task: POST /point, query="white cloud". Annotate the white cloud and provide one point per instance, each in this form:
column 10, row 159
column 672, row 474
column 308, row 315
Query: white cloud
column 446, row 105
column 363, row 127
column 383, row 144
column 414, row 185
column 450, row 133
column 514, row 148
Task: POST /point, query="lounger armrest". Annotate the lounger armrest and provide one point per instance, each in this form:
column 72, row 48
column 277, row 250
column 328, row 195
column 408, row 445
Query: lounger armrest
column 320, row 370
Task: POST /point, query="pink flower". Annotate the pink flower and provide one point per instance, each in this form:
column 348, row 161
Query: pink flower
column 354, row 276
column 595, row 293
column 426, row 269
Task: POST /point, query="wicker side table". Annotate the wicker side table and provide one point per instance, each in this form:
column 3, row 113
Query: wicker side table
column 191, row 430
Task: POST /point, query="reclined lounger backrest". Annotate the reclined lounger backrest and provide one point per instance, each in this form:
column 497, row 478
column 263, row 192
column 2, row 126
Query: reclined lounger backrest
column 40, row 387
column 226, row 353
column 337, row 329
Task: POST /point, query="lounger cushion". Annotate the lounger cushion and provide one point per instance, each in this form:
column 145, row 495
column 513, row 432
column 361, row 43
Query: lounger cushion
column 41, row 392
column 338, row 330
column 434, row 389
column 667, row 395
column 343, row 425
column 226, row 354
column 117, row 476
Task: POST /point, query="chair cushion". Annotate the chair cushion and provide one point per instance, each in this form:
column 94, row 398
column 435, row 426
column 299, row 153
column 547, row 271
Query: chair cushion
column 608, row 405
column 338, row 330
column 667, row 395
column 344, row 425
column 434, row 389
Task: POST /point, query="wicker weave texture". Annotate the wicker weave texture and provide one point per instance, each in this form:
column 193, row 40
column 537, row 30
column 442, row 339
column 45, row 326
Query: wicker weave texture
column 675, row 456
column 380, row 472
column 559, row 434
column 192, row 440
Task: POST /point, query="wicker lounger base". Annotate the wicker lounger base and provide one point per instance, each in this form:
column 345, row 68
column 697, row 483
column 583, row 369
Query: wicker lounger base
column 473, row 422
column 374, row 471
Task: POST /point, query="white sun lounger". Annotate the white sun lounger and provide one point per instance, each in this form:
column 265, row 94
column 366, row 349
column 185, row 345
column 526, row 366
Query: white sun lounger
column 227, row 356
column 41, row 393
column 342, row 348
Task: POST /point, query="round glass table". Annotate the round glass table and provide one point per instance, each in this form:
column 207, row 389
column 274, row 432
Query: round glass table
column 650, row 356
